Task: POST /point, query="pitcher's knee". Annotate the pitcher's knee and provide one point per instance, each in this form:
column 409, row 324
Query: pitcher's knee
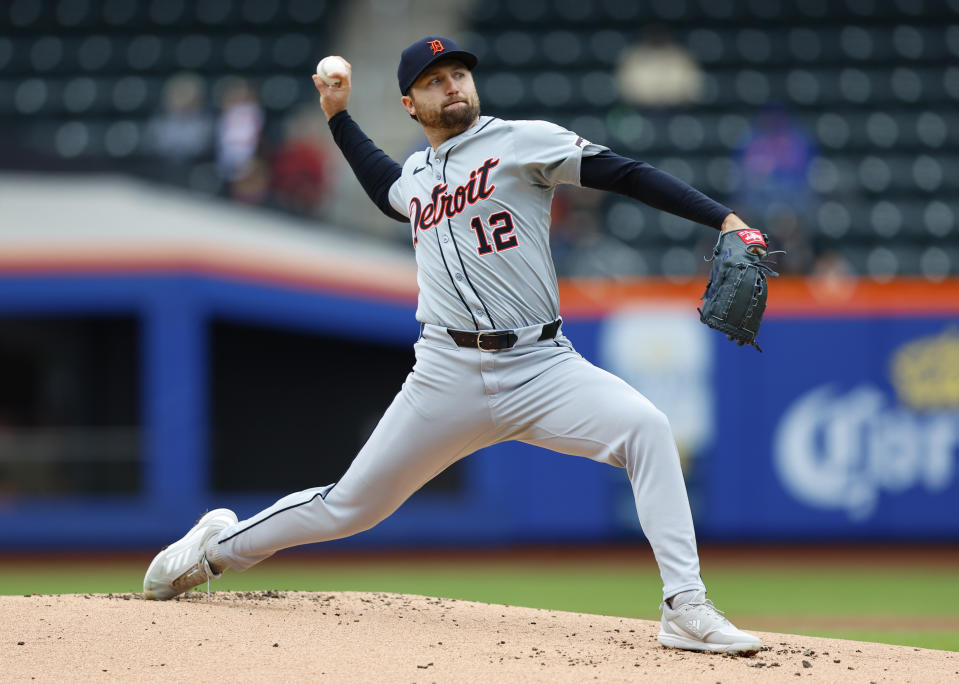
column 649, row 423
column 353, row 519
column 646, row 431
column 650, row 435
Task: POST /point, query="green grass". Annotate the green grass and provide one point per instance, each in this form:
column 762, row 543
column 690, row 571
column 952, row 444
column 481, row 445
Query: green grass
column 844, row 591
column 853, row 602
column 943, row 639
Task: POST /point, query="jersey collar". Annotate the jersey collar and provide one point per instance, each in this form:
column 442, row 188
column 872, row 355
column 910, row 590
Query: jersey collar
column 481, row 123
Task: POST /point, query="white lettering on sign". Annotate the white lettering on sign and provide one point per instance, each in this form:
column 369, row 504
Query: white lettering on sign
column 835, row 451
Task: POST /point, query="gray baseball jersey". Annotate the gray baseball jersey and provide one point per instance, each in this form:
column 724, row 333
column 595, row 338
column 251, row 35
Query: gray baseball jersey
column 479, row 209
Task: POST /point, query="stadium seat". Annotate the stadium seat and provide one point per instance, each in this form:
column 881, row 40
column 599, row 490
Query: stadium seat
column 626, row 220
column 802, row 87
column 24, row 14
column 36, row 96
column 753, row 46
column 84, row 95
column 723, row 175
column 46, row 54
column 939, row 219
column 121, row 13
column 805, row 45
column 122, row 138
column 936, row 262
column 908, row 42
column 193, row 52
column 504, row 90
column 242, row 52
column 596, row 89
column 812, row 9
column 834, row 220
column 706, row 45
column 306, row 12
column 477, row 43
column 169, row 13
column 680, row 264
column 617, row 11
column 280, row 92
column 884, row 263
column 260, row 12
column 528, row 12
column 575, row 11
column 147, row 52
column 214, row 12
column 882, row 130
column 885, row 220
column 591, row 127
column 515, row 48
column 135, row 94
column 94, row 53
column 562, row 47
column 905, row 84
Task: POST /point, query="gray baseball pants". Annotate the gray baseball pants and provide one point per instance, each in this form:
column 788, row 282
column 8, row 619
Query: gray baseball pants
column 458, row 400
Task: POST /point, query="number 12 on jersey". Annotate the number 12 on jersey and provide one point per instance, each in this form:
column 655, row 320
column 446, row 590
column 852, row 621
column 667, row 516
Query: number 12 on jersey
column 501, row 224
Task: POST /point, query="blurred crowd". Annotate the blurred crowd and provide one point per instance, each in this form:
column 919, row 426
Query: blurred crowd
column 771, row 157
column 217, row 142
column 830, row 126
column 224, row 149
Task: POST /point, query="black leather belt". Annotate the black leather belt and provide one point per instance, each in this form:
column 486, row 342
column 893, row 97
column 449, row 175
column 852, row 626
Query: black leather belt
column 496, row 340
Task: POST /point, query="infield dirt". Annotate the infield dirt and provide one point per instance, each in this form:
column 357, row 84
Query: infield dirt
column 362, row 637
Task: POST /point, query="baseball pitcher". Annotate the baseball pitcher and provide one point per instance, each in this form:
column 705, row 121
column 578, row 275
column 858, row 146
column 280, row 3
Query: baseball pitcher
column 492, row 362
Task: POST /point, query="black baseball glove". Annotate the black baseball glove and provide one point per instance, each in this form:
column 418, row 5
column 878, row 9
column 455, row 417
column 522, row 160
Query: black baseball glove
column 735, row 296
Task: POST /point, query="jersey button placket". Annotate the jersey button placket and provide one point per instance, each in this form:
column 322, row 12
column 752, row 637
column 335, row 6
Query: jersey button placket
column 469, row 296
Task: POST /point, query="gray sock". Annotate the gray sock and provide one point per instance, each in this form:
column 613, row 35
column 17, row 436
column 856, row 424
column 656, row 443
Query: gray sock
column 686, row 597
column 213, row 558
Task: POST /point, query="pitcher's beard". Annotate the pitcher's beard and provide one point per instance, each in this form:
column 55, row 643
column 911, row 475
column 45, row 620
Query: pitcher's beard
column 454, row 118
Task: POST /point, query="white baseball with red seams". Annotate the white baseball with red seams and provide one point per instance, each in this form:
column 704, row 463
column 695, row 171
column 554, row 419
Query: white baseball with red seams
column 328, row 66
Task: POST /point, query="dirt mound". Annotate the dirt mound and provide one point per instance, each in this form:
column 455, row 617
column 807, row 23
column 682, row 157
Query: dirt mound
column 347, row 637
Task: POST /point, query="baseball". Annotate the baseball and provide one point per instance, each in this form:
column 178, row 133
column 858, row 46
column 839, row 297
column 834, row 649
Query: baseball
column 329, row 65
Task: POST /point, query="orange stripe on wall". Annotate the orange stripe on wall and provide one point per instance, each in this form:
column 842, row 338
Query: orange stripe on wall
column 788, row 296
column 382, row 281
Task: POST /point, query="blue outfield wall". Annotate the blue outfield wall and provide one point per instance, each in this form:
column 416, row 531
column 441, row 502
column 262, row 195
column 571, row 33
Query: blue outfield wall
column 842, row 430
column 512, row 492
column 849, row 429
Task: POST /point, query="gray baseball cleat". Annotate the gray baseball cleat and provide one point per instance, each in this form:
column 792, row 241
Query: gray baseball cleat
column 183, row 565
column 697, row 625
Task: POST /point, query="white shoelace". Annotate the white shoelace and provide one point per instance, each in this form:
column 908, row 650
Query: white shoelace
column 207, row 570
column 709, row 606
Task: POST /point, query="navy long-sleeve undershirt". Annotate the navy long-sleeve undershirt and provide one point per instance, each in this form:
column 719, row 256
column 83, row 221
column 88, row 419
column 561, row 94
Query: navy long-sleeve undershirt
column 614, row 173
column 375, row 170
column 607, row 170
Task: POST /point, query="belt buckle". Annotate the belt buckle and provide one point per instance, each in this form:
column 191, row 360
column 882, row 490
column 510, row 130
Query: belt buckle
column 479, row 341
column 508, row 335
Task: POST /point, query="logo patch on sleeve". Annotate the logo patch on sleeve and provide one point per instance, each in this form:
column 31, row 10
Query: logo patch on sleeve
column 751, row 237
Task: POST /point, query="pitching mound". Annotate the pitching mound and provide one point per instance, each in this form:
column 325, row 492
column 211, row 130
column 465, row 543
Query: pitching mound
column 347, row 637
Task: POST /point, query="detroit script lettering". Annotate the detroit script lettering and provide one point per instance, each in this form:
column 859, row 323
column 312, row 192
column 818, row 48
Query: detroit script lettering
column 445, row 204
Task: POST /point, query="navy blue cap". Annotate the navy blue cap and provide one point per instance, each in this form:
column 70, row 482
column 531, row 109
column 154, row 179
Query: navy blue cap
column 425, row 52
